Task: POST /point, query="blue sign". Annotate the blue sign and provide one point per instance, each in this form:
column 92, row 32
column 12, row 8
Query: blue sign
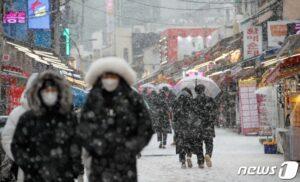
column 19, row 31
column 15, row 31
column 38, row 14
column 42, row 38
column 79, row 97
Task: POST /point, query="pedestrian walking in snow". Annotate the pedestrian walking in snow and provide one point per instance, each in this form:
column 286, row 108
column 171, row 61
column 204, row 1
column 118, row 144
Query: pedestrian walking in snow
column 44, row 144
column 188, row 130
column 207, row 112
column 170, row 99
column 115, row 123
column 164, row 126
column 153, row 102
column 12, row 121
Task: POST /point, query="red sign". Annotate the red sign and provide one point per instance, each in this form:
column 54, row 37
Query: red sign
column 14, row 95
column 172, row 38
column 6, row 57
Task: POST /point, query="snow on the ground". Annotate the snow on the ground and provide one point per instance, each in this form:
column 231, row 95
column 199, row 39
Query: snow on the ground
column 231, row 152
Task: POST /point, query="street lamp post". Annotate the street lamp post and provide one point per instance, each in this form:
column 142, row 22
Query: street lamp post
column 77, row 47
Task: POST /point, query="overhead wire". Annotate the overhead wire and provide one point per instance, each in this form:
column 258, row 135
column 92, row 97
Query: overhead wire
column 130, row 18
column 178, row 9
column 122, row 16
column 213, row 2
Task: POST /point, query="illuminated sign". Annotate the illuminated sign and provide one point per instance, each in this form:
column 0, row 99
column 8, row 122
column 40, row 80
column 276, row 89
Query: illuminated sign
column 66, row 34
column 39, row 14
column 13, row 17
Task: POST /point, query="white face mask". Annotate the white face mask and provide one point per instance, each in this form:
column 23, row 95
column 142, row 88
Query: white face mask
column 49, row 98
column 110, row 84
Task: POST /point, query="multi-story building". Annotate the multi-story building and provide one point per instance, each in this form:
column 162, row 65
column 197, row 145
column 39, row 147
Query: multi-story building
column 108, row 32
column 266, row 13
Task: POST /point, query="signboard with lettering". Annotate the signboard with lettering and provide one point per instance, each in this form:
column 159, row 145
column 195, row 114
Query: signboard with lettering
column 18, row 22
column 6, row 57
column 252, row 42
column 14, row 17
column 277, row 32
column 39, row 14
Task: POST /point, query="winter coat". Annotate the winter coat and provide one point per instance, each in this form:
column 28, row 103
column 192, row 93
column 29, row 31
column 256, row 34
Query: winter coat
column 188, row 129
column 114, row 126
column 153, row 102
column 171, row 100
column 206, row 111
column 44, row 144
column 163, row 111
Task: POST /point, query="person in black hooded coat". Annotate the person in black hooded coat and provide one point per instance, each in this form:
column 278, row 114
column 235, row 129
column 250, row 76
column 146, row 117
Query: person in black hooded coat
column 115, row 124
column 188, row 129
column 44, row 144
column 206, row 109
column 153, row 102
column 164, row 125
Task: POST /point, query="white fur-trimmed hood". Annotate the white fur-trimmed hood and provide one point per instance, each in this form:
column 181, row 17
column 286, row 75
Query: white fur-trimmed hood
column 110, row 64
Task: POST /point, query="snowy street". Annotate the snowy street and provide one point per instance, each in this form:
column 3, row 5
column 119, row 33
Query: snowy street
column 97, row 90
column 231, row 152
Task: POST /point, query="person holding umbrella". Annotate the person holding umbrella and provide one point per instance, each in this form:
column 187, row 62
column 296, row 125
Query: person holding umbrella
column 188, row 130
column 206, row 110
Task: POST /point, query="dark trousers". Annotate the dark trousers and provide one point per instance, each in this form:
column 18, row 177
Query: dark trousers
column 183, row 154
column 14, row 169
column 209, row 145
column 162, row 137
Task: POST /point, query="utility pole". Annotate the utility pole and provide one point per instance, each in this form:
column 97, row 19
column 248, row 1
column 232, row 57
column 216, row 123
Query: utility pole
column 56, row 20
column 1, row 32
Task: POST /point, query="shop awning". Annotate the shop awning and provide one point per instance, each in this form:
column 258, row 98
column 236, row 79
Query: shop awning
column 263, row 91
column 43, row 57
column 76, row 82
column 287, row 68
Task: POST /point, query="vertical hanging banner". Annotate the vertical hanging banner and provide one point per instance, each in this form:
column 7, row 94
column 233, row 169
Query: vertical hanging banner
column 110, row 22
column 39, row 14
column 252, row 42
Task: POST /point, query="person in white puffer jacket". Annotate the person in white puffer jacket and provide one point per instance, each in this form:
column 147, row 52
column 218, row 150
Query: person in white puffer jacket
column 12, row 121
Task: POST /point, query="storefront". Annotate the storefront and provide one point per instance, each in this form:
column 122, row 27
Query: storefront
column 12, row 81
column 22, row 61
column 286, row 77
column 176, row 43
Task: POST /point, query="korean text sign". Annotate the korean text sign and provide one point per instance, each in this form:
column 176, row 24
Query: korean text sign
column 252, row 42
column 13, row 17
